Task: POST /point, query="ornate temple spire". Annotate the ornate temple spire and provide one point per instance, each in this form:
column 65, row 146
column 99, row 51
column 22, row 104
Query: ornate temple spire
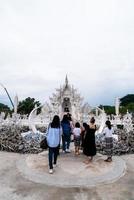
column 66, row 80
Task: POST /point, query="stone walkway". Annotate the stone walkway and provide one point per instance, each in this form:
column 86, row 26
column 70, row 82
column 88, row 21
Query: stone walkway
column 25, row 177
column 71, row 170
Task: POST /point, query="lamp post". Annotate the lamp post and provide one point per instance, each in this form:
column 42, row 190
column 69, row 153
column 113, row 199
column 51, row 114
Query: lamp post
column 7, row 94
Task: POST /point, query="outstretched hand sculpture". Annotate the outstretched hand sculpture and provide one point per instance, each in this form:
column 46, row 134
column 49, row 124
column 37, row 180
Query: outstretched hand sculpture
column 103, row 120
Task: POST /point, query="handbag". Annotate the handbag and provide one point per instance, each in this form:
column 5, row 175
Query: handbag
column 43, row 143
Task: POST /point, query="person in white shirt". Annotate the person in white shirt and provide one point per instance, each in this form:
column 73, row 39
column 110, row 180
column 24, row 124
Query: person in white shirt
column 108, row 132
column 77, row 136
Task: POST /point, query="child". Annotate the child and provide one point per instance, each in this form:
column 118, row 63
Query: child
column 77, row 133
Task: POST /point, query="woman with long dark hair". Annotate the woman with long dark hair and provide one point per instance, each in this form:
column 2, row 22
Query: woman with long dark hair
column 54, row 133
column 89, row 142
column 108, row 132
column 83, row 133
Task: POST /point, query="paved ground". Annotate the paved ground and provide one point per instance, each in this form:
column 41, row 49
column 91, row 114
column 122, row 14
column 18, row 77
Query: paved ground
column 15, row 185
column 71, row 170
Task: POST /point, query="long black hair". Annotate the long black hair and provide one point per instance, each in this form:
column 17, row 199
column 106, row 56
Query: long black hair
column 108, row 123
column 92, row 120
column 85, row 125
column 77, row 125
column 65, row 119
column 55, row 122
column 69, row 116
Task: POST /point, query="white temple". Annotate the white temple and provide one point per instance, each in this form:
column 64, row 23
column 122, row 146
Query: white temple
column 66, row 99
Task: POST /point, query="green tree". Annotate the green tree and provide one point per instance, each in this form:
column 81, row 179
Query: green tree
column 27, row 105
column 130, row 107
column 4, row 108
column 127, row 99
column 123, row 110
column 108, row 109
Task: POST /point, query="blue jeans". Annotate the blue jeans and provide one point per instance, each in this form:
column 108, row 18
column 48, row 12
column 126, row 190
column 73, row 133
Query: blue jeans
column 52, row 156
column 65, row 142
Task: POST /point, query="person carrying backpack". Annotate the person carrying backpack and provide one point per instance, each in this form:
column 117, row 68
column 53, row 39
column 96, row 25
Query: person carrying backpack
column 66, row 136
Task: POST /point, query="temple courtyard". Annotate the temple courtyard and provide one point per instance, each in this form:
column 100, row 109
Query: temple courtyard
column 26, row 177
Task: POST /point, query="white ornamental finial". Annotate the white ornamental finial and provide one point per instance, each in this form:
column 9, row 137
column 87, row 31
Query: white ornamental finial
column 66, row 80
column 16, row 103
column 117, row 105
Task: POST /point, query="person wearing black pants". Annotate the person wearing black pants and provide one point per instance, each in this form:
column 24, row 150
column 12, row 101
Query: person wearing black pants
column 52, row 156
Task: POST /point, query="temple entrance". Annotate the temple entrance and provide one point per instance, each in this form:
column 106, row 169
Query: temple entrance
column 66, row 105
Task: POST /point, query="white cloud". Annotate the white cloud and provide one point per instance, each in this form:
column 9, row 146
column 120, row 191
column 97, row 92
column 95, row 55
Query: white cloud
column 91, row 41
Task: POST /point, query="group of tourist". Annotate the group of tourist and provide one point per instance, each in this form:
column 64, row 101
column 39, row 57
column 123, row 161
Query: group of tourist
column 83, row 137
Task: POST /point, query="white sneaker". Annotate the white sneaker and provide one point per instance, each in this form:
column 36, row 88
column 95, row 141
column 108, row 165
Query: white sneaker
column 50, row 171
column 54, row 165
column 68, row 151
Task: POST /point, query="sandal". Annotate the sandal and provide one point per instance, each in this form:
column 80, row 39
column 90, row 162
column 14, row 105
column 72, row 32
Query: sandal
column 86, row 161
column 108, row 160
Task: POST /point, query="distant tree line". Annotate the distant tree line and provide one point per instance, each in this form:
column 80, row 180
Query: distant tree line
column 126, row 103
column 27, row 105
column 4, row 108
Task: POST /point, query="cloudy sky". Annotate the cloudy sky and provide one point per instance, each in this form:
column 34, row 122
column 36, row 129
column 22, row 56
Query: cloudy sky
column 90, row 41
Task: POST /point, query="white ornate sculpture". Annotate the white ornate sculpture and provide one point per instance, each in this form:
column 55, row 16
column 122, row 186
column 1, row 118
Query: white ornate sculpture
column 127, row 122
column 117, row 105
column 66, row 99
column 103, row 120
column 31, row 124
column 16, row 103
column 45, row 115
